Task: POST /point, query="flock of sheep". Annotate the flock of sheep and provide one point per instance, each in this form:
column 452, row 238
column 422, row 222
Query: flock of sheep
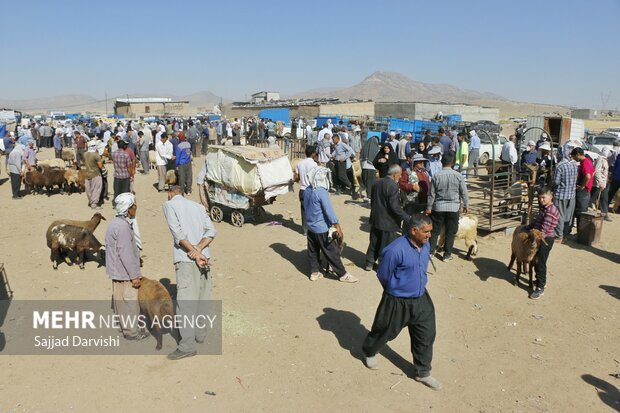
column 52, row 173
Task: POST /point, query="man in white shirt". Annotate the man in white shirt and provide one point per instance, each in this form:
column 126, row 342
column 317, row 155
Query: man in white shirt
column 301, row 176
column 509, row 152
column 323, row 131
column 402, row 147
column 392, row 141
column 509, row 155
column 163, row 153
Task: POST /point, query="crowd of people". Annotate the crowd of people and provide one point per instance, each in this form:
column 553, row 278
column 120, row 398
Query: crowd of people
column 415, row 192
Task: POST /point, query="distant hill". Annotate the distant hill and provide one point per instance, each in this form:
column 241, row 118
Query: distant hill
column 395, row 87
column 85, row 103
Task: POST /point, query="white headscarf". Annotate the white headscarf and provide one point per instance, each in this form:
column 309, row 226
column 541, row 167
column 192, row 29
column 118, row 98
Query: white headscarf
column 92, row 145
column 320, row 177
column 123, row 202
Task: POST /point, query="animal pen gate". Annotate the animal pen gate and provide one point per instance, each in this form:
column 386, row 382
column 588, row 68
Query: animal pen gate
column 498, row 197
column 294, row 149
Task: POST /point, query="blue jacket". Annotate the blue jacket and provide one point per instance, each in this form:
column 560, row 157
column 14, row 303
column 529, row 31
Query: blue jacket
column 402, row 271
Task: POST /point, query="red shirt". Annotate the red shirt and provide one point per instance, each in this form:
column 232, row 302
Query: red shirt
column 586, row 167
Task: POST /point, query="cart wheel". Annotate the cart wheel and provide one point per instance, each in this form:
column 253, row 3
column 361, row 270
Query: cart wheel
column 259, row 214
column 216, row 213
column 236, row 217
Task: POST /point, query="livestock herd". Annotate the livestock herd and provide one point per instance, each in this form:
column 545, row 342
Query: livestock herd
column 64, row 174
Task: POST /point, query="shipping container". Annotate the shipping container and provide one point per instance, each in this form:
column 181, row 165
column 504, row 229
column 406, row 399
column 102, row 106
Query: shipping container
column 560, row 128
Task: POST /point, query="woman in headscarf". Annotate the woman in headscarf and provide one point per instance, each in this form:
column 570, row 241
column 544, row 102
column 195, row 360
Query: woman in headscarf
column 384, row 159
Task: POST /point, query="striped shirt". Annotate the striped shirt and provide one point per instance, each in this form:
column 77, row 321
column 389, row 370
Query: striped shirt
column 448, row 188
column 546, row 220
column 565, row 181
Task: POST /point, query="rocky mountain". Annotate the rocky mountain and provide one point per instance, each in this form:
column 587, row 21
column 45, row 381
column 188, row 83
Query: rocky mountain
column 394, row 87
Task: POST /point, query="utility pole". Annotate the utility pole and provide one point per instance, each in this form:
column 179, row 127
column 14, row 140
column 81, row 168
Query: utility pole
column 106, row 104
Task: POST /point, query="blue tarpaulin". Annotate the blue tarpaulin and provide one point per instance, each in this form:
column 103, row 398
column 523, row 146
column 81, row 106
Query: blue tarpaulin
column 283, row 115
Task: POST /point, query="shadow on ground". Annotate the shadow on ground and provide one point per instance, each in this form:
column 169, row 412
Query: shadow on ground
column 488, row 267
column 298, row 258
column 607, row 392
column 611, row 290
column 350, row 333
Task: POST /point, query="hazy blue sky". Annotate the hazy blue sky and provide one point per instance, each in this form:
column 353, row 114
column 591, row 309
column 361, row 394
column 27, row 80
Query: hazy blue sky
column 565, row 52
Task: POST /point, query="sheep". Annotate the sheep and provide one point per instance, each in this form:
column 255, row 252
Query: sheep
column 52, row 163
column 514, row 196
column 90, row 225
column 156, row 303
column 69, row 239
column 71, row 178
column 171, row 177
column 45, row 177
column 34, row 181
column 75, row 178
column 152, row 159
column 68, row 155
column 468, row 231
column 525, row 245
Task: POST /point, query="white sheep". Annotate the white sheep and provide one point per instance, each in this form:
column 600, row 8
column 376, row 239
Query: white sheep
column 468, row 231
column 52, row 163
column 152, row 159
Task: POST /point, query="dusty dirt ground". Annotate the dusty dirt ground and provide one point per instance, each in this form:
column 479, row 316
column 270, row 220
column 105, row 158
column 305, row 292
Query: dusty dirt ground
column 290, row 344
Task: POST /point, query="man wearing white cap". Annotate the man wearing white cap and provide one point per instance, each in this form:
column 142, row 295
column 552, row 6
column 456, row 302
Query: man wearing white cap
column 122, row 265
column 93, row 182
column 392, row 141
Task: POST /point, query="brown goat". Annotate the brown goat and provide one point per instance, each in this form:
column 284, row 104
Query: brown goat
column 156, row 303
column 525, row 245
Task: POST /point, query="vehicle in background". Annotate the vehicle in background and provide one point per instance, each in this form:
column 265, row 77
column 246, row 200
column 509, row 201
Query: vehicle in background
column 487, row 145
column 613, row 131
column 58, row 118
column 11, row 119
column 599, row 142
column 486, row 125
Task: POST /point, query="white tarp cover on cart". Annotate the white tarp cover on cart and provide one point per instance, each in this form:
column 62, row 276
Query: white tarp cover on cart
column 249, row 169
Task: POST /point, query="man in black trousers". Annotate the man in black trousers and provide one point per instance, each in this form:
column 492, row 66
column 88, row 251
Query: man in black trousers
column 405, row 301
column 448, row 190
column 386, row 214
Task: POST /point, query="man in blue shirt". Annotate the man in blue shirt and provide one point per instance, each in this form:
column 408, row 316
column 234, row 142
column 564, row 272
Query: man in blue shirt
column 405, row 301
column 474, row 150
column 320, row 217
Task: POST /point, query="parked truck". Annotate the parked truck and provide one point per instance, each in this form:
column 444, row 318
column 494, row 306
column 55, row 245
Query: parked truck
column 11, row 119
